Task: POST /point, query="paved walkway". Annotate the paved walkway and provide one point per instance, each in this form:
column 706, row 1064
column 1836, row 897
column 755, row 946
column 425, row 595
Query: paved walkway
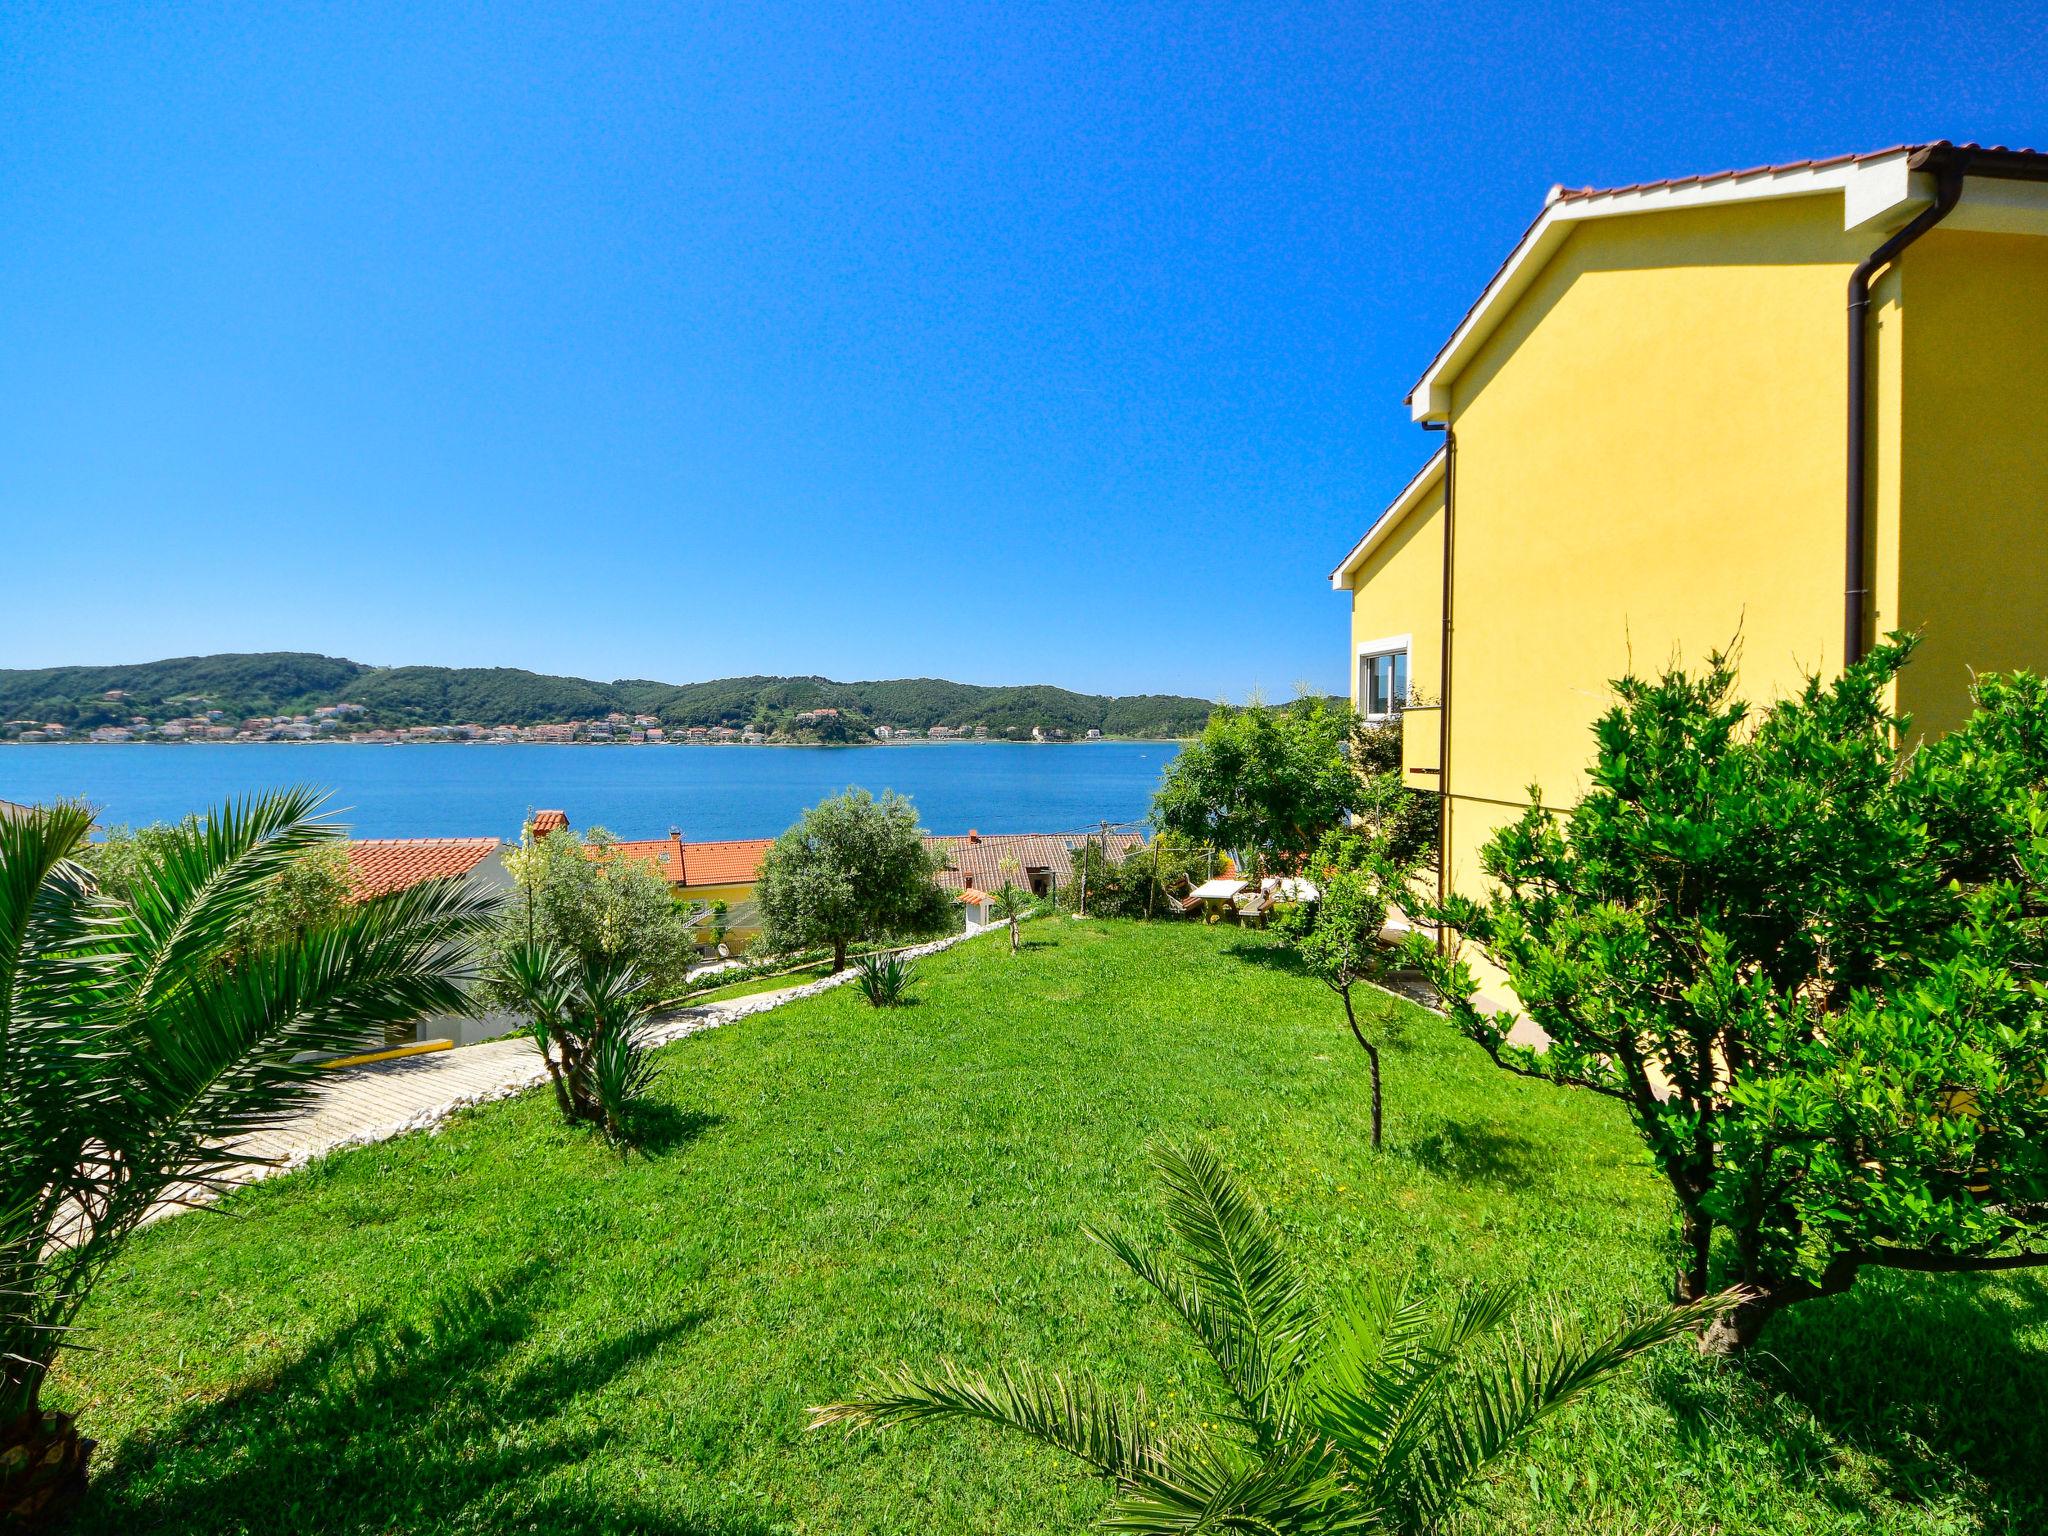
column 356, row 1106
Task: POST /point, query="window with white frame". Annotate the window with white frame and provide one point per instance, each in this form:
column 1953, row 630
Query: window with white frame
column 1382, row 681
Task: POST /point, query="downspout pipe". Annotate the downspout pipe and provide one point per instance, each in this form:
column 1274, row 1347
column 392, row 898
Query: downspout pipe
column 1443, row 711
column 1948, row 182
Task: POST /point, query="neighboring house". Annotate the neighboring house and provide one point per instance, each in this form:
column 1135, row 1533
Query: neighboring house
column 1044, row 861
column 378, row 866
column 1661, row 435
column 698, row 874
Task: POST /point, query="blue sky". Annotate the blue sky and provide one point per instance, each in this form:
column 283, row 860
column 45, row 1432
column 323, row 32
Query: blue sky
column 1002, row 343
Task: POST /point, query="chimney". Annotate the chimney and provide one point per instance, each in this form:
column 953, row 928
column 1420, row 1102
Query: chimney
column 973, row 836
column 676, row 833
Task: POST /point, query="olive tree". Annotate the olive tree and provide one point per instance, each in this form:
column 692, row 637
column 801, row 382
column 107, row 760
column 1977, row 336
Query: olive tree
column 1806, row 958
column 853, row 868
column 575, row 894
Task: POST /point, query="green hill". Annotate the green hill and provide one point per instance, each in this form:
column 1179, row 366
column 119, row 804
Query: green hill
column 294, row 682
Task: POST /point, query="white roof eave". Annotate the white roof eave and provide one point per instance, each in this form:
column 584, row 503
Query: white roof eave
column 1876, row 193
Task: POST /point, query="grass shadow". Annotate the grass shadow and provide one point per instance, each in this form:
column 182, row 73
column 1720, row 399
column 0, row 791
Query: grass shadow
column 1939, row 1377
column 1273, row 955
column 655, row 1128
column 1479, row 1150
column 1937, row 1380
column 385, row 1425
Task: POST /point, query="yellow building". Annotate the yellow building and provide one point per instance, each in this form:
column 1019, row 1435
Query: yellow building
column 1649, row 451
column 699, row 875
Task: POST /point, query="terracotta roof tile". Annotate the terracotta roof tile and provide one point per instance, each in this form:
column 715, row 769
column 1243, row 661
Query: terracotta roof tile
column 545, row 822
column 684, row 864
column 736, row 862
column 380, row 865
column 661, row 855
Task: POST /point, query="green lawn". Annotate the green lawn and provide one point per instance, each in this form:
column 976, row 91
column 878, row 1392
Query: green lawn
column 754, row 984
column 505, row 1327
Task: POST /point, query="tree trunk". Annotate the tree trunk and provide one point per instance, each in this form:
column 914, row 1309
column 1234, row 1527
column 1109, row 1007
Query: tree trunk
column 42, row 1470
column 838, row 956
column 1372, row 1057
column 1692, row 1279
column 1741, row 1325
column 1013, row 935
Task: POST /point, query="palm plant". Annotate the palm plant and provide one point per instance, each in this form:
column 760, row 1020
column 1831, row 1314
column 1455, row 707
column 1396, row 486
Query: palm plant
column 590, row 1017
column 1013, row 904
column 1379, row 1414
column 141, row 1040
column 884, row 978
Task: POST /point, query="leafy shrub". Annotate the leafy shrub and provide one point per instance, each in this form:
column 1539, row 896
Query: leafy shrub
column 885, row 978
column 1401, row 822
column 853, row 868
column 1806, row 960
column 574, row 895
column 1267, row 783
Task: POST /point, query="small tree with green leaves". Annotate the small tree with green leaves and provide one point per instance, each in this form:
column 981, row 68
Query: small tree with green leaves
column 1338, row 936
column 1807, row 961
column 854, row 868
column 1376, row 1413
column 1012, row 903
column 1264, row 782
column 577, row 895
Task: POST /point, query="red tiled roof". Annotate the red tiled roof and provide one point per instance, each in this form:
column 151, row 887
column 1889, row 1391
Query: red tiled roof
column 661, row 855
column 736, row 862
column 545, row 822
column 379, row 865
column 976, row 860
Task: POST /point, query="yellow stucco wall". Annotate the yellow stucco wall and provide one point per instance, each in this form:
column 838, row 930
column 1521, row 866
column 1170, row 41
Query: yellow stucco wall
column 1973, row 497
column 1649, row 465
column 741, row 934
column 1399, row 590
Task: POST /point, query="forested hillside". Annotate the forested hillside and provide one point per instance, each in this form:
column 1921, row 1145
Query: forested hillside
column 291, row 682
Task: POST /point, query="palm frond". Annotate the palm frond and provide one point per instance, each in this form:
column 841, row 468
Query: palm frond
column 1384, row 1367
column 1296, row 1492
column 189, row 892
column 1239, row 1265
column 48, row 917
column 1071, row 1414
column 1234, row 1353
column 215, row 1059
column 1527, row 1380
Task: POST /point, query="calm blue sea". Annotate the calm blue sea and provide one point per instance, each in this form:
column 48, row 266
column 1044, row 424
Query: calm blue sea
column 710, row 792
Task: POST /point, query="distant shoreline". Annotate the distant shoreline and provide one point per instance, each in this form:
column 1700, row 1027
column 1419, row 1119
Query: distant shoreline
column 357, row 741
